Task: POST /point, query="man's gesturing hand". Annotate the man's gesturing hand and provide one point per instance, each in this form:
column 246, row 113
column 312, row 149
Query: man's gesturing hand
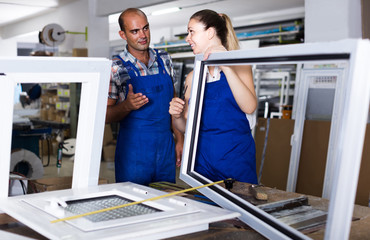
column 135, row 101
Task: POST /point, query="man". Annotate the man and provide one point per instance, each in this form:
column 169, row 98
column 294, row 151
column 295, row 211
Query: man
column 141, row 89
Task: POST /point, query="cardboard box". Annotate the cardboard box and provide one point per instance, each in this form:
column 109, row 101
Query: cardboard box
column 66, row 93
column 54, row 99
column 109, row 152
column 44, row 98
column 59, row 105
column 62, row 105
column 108, row 135
column 79, row 52
column 312, row 163
column 51, row 113
column 44, row 114
column 51, row 184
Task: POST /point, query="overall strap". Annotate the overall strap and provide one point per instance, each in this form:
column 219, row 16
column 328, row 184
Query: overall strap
column 130, row 67
column 160, row 61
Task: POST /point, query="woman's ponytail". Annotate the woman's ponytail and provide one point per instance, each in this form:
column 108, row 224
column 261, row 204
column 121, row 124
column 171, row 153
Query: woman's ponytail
column 232, row 40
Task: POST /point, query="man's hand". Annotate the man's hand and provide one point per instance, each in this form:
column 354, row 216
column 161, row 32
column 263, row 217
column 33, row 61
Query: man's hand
column 135, row 101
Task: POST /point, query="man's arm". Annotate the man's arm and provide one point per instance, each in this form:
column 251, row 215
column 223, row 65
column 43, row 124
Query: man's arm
column 133, row 101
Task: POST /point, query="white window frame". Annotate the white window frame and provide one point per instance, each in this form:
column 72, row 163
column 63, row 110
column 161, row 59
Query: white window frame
column 348, row 142
column 94, row 74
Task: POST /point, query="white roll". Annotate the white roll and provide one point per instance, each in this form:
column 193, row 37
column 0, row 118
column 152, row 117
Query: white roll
column 69, row 146
column 35, row 168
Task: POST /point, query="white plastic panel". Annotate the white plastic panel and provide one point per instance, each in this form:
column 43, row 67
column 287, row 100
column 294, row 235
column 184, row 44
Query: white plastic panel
column 346, row 137
column 178, row 215
column 9, row 235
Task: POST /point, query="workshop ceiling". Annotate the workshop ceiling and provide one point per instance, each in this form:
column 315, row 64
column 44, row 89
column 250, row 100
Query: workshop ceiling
column 235, row 9
column 18, row 10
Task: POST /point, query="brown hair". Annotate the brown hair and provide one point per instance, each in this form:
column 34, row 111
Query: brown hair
column 211, row 19
column 232, row 40
column 128, row 10
column 222, row 24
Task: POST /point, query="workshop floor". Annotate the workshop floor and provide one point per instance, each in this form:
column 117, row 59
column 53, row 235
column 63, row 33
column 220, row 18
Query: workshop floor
column 106, row 169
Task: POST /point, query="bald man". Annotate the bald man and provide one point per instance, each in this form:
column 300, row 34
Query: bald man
column 141, row 88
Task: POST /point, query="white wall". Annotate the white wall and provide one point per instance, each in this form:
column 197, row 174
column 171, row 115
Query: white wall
column 329, row 20
column 8, row 48
column 72, row 17
column 98, row 43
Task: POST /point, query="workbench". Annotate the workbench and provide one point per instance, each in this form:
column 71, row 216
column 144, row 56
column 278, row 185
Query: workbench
column 235, row 229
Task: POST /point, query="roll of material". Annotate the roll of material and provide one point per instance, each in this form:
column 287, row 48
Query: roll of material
column 52, row 35
column 30, row 162
column 69, row 146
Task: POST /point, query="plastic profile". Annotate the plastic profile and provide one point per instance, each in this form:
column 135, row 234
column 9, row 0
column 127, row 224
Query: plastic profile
column 349, row 136
column 93, row 73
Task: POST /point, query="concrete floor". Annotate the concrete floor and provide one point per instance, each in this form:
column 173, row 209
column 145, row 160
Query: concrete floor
column 106, row 168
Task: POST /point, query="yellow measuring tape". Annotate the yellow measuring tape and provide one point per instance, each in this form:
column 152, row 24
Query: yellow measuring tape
column 134, row 203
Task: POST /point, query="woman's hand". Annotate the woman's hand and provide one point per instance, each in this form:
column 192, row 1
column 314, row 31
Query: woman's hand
column 177, row 106
column 213, row 49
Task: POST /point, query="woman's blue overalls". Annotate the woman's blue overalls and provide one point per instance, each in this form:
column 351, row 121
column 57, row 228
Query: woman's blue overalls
column 226, row 147
column 145, row 147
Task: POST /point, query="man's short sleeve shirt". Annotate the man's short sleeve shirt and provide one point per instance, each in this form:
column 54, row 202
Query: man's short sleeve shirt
column 119, row 75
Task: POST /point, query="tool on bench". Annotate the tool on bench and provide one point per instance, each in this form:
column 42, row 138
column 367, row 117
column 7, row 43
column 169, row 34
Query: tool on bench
column 229, row 183
column 258, row 192
column 297, row 213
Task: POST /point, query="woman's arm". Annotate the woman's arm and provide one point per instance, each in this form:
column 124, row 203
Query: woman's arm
column 240, row 79
column 179, row 107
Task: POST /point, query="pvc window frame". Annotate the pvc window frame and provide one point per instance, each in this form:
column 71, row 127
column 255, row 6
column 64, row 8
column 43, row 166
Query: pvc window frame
column 348, row 142
column 93, row 74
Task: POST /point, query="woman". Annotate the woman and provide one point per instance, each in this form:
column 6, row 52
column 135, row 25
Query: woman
column 226, row 148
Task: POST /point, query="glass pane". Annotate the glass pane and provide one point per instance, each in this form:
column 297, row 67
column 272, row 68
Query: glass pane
column 44, row 117
column 225, row 149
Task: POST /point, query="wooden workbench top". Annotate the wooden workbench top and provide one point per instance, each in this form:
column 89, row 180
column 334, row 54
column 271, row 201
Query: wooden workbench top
column 235, row 229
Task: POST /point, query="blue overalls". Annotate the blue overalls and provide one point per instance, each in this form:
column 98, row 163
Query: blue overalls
column 145, row 150
column 226, row 147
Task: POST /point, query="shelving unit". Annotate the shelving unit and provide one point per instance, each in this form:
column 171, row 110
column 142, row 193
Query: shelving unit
column 55, row 103
column 267, row 34
column 274, row 87
column 273, row 33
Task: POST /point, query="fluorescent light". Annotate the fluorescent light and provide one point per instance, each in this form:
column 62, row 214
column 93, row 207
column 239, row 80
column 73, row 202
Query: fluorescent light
column 33, row 3
column 167, row 10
